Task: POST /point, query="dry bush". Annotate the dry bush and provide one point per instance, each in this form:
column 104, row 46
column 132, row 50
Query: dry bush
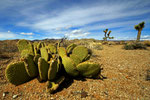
column 134, row 45
column 96, row 46
column 7, row 47
column 147, row 43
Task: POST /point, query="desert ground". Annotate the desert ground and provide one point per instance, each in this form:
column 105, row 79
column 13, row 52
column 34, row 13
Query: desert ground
column 126, row 77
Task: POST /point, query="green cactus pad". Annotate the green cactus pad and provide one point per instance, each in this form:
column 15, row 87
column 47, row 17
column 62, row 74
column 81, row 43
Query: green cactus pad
column 52, row 48
column 25, row 47
column 43, row 69
column 81, row 52
column 52, row 70
column 70, row 48
column 69, row 66
column 35, row 44
column 30, row 67
column 35, row 51
column 44, row 53
column 53, row 86
column 75, row 58
column 35, row 59
column 88, row 69
column 16, row 73
column 22, row 44
column 59, row 65
column 62, row 51
column 40, row 45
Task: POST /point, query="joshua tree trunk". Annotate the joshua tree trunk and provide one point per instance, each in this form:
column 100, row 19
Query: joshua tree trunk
column 139, row 35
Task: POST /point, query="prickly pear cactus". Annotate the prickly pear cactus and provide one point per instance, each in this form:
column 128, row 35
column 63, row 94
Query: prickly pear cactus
column 22, row 45
column 48, row 63
column 44, row 53
column 52, row 86
column 43, row 69
column 69, row 66
column 62, row 51
column 35, row 59
column 30, row 66
column 70, row 48
column 81, row 51
column 25, row 47
column 88, row 69
column 52, row 69
column 75, row 58
column 16, row 73
column 51, row 48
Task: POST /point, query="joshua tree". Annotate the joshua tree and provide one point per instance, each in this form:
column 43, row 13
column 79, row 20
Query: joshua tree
column 107, row 35
column 139, row 27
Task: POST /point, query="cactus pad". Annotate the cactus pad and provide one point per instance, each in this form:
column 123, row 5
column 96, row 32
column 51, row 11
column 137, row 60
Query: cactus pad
column 70, row 48
column 16, row 73
column 75, row 58
column 43, row 69
column 44, row 53
column 69, row 66
column 52, row 86
column 35, row 59
column 22, row 44
column 52, row 69
column 25, row 47
column 30, row 67
column 81, row 52
column 88, row 69
column 62, row 51
column 52, row 48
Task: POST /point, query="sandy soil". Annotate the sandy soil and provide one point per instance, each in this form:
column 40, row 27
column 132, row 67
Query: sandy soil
column 126, row 72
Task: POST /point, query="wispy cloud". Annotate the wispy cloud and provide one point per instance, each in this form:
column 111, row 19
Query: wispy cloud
column 77, row 34
column 145, row 37
column 23, row 33
column 7, row 35
column 55, row 18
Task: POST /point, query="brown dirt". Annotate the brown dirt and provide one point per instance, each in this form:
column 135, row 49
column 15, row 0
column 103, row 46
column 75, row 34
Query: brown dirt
column 125, row 70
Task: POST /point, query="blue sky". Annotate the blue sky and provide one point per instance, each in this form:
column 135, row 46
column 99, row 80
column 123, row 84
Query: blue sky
column 40, row 19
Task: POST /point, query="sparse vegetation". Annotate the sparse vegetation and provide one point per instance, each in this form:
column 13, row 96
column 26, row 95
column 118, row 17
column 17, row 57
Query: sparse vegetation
column 113, row 58
column 147, row 43
column 134, row 45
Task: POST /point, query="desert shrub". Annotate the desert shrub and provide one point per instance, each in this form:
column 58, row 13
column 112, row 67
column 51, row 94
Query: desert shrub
column 96, row 46
column 134, row 45
column 8, row 46
column 147, row 43
column 122, row 42
column 105, row 42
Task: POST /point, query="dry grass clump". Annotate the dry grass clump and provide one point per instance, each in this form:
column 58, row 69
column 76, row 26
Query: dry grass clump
column 134, row 45
column 7, row 48
column 147, row 43
column 96, row 46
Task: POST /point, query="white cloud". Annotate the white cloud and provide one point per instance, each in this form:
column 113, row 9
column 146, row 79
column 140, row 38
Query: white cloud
column 7, row 35
column 145, row 37
column 26, row 33
column 81, row 16
column 77, row 34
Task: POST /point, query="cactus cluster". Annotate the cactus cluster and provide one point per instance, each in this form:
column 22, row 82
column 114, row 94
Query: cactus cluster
column 50, row 63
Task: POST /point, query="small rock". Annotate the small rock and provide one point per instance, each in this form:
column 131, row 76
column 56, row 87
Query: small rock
column 15, row 96
column 4, row 94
